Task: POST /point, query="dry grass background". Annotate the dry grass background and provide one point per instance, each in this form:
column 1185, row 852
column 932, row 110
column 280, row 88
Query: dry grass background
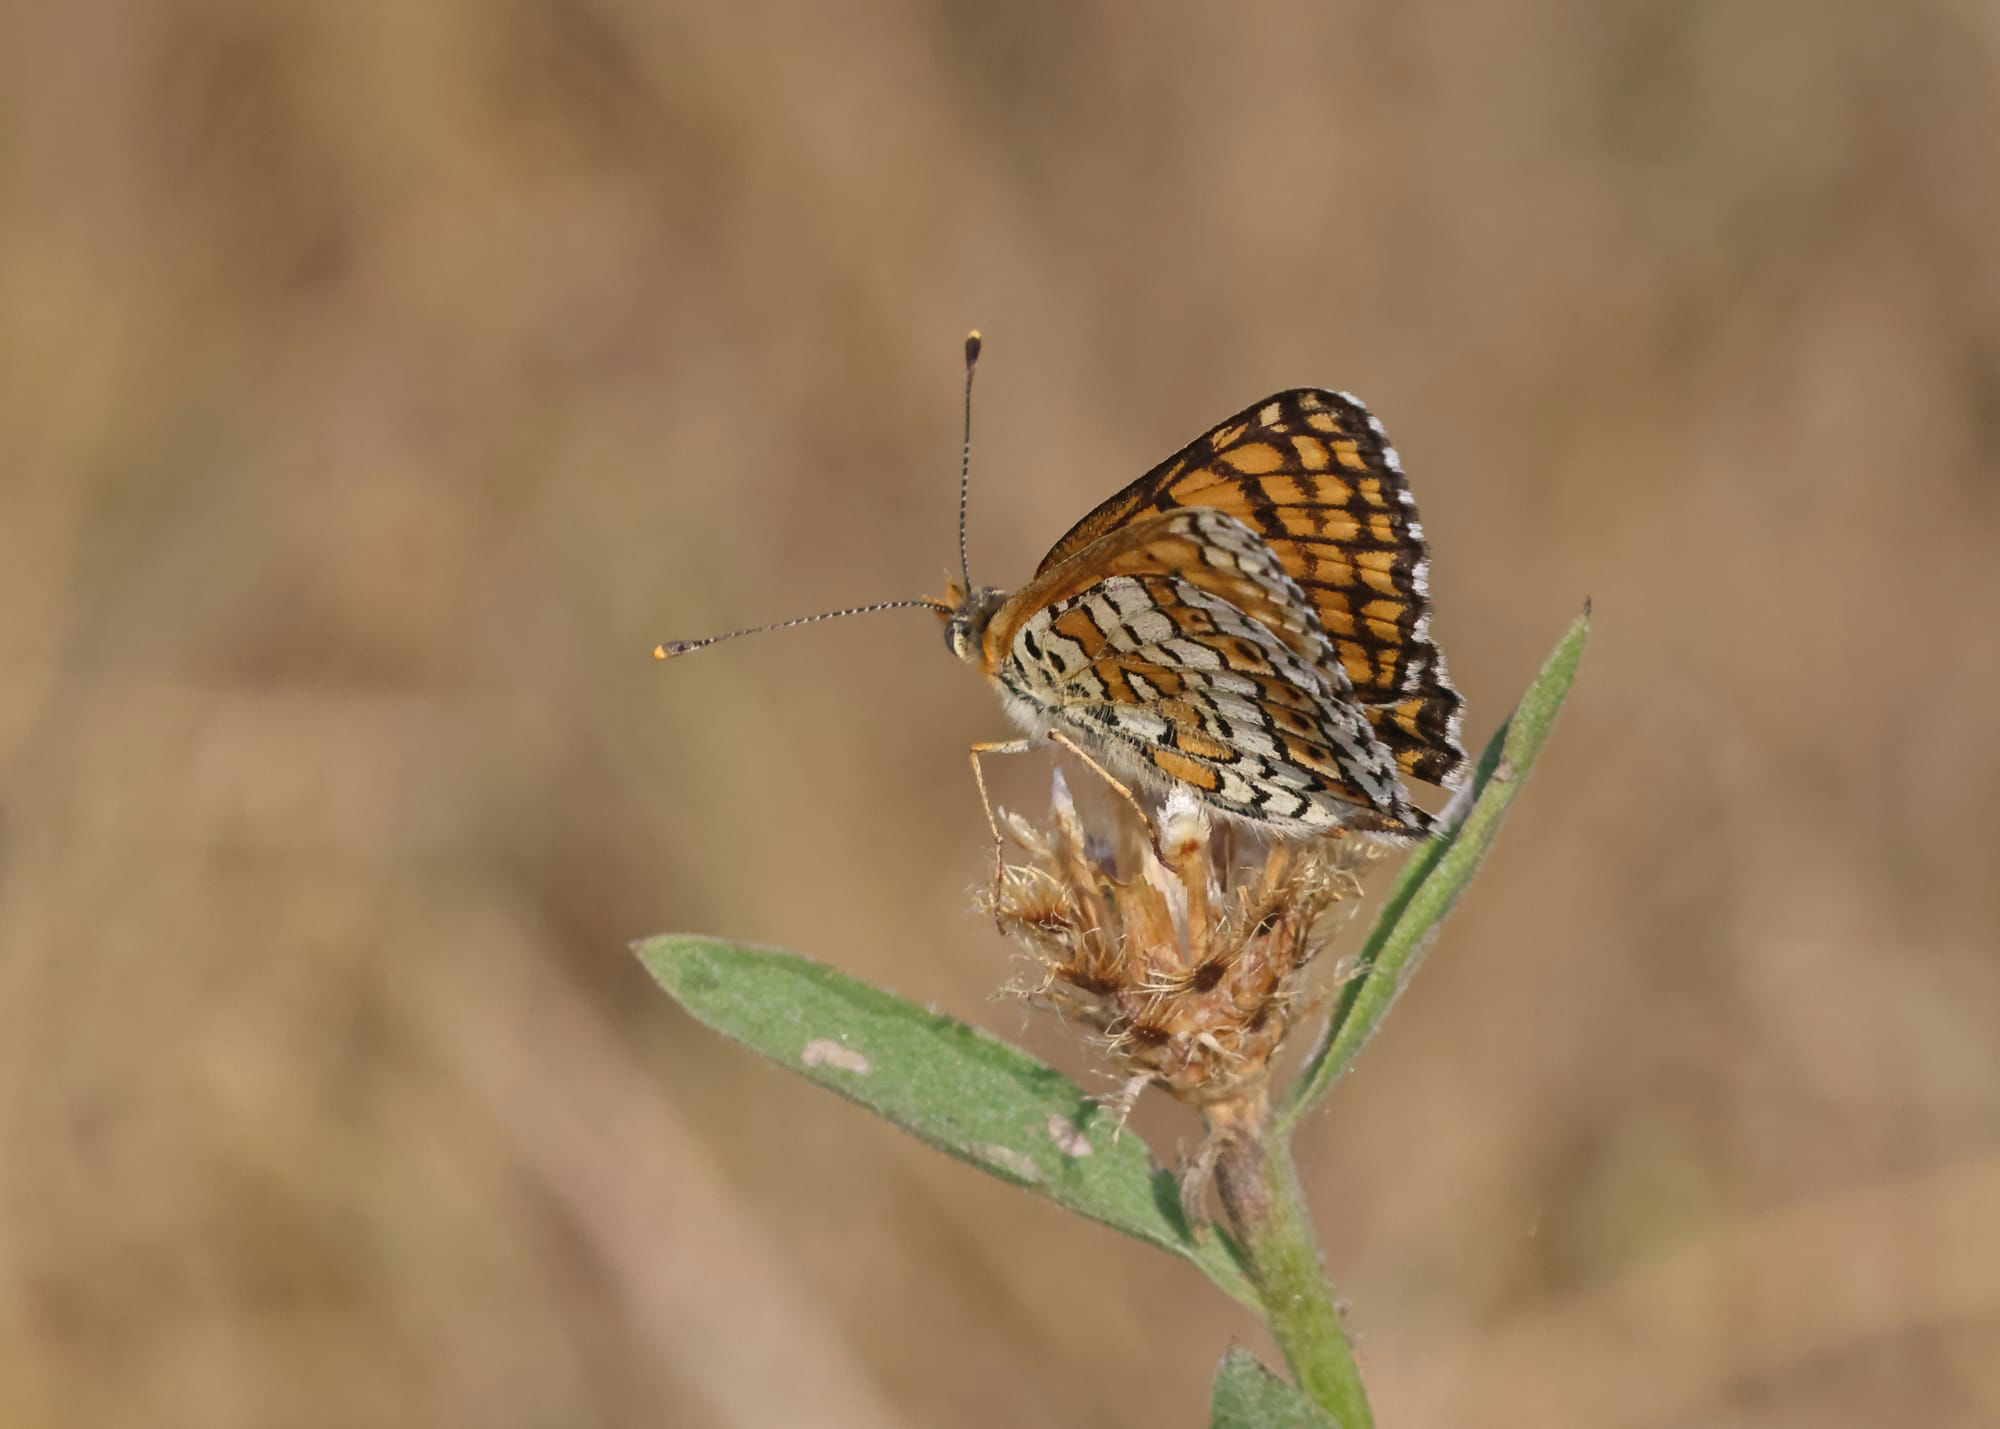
column 379, row 380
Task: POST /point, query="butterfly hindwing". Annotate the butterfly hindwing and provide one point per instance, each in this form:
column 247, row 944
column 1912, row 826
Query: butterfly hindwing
column 1182, row 643
column 1312, row 474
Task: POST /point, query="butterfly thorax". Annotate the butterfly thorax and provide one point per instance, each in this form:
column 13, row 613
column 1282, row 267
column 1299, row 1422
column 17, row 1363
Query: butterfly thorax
column 971, row 612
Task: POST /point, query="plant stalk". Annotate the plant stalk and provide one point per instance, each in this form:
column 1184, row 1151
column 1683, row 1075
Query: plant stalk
column 1259, row 1191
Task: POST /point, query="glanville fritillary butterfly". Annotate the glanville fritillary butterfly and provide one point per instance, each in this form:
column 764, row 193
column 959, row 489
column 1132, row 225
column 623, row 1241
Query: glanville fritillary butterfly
column 1249, row 620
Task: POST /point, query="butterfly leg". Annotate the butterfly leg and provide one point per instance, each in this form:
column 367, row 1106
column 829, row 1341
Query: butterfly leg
column 1004, row 746
column 1124, row 792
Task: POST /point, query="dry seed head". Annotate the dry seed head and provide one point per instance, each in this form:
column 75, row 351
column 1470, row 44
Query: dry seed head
column 1184, row 963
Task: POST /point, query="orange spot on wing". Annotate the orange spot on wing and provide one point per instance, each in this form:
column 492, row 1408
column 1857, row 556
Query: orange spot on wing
column 1254, row 458
column 1289, row 720
column 1308, row 755
column 1379, row 580
column 1338, row 624
column 1167, row 681
column 1078, row 626
column 1195, row 742
column 1286, row 491
column 1337, row 525
column 1172, row 762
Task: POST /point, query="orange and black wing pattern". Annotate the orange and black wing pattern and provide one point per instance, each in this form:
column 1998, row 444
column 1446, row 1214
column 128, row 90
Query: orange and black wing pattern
column 1181, row 650
column 1313, row 474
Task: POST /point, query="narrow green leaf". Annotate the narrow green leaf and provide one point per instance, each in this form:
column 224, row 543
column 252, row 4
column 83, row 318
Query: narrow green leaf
column 1435, row 876
column 1248, row 1396
column 966, row 1093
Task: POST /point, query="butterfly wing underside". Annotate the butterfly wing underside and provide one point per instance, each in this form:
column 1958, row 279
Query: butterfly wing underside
column 1181, row 644
column 1313, row 475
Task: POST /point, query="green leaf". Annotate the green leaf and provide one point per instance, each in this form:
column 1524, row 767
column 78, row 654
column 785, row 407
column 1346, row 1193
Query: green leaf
column 966, row 1093
column 1248, row 1396
column 1435, row 876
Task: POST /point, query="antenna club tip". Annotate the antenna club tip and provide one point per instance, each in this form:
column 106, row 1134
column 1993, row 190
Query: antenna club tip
column 973, row 342
column 666, row 650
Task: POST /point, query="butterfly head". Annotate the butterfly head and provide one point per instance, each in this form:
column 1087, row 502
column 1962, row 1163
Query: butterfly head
column 966, row 614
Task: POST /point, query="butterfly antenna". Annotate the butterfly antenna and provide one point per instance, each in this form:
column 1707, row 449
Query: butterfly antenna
column 667, row 649
column 972, row 345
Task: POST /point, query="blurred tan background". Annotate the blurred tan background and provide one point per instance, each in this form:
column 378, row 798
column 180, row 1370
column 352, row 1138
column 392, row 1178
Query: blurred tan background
column 378, row 381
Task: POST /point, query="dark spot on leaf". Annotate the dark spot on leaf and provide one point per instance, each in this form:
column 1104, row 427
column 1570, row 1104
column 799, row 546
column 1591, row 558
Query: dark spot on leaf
column 699, row 977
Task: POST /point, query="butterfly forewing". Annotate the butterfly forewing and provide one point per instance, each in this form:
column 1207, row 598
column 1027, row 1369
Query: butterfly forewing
column 1312, row 474
column 1180, row 645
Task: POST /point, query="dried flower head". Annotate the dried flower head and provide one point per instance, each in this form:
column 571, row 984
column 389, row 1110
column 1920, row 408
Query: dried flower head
column 1185, row 962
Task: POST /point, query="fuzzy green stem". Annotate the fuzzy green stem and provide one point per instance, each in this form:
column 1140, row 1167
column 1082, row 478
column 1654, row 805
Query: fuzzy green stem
column 1259, row 1191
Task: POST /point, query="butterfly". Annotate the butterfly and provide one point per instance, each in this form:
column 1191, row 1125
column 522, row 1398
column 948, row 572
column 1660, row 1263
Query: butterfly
column 1249, row 621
